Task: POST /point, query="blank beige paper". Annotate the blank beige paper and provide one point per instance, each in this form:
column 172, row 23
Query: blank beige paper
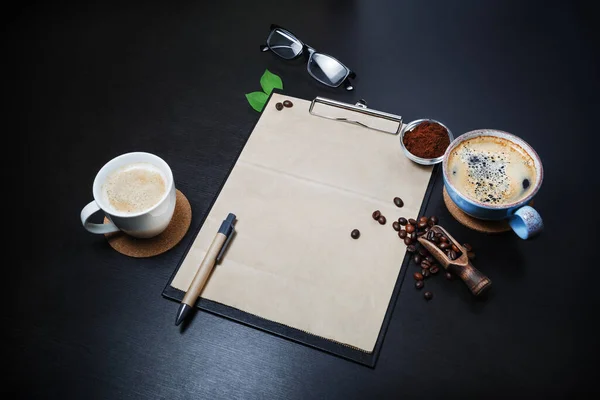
column 300, row 186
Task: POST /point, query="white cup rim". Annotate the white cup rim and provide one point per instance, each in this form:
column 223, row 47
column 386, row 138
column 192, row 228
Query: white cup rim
column 97, row 186
column 508, row 136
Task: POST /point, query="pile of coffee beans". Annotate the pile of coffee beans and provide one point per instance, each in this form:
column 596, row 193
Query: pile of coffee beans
column 409, row 230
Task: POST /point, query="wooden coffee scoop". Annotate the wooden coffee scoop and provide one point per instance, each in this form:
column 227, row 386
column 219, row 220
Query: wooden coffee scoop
column 475, row 280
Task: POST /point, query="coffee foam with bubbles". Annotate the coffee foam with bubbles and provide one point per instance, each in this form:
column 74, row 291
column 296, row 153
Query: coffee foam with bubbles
column 134, row 188
column 491, row 170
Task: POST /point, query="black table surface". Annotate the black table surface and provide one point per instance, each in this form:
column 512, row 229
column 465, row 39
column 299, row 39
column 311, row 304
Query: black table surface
column 88, row 82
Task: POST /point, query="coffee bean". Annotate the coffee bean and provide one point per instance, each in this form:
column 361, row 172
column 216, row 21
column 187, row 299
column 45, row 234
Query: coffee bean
column 407, row 241
column 402, row 234
column 411, row 248
column 288, row 104
column 402, row 221
column 439, row 234
column 425, row 264
column 471, row 255
column 279, row 106
column 444, row 245
column 412, row 221
column 430, row 259
column 376, row 214
column 417, row 259
column 419, row 284
column 413, row 236
column 448, row 276
column 456, row 250
column 468, row 247
column 434, row 269
column 443, row 238
column 436, row 240
column 381, row 220
column 423, row 219
column 422, row 224
column 418, row 276
column 452, row 255
column 398, row 202
column 355, row 234
column 425, row 273
column 431, row 236
column 434, row 220
column 423, row 251
column 396, row 225
column 428, row 296
column 410, row 228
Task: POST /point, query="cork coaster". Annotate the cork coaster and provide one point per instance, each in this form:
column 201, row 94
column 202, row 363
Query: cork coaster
column 140, row 248
column 479, row 225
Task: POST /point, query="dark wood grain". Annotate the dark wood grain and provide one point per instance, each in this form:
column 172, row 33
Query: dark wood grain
column 91, row 81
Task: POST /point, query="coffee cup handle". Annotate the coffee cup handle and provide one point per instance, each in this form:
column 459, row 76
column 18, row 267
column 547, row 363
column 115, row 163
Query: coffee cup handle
column 526, row 222
column 87, row 212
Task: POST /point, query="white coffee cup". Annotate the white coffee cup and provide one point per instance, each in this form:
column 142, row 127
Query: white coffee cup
column 145, row 224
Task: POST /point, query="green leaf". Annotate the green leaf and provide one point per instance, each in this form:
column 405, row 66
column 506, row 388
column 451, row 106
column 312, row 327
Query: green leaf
column 257, row 100
column 270, row 81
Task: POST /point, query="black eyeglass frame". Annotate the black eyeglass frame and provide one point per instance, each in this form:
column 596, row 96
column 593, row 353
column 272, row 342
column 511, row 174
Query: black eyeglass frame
column 308, row 52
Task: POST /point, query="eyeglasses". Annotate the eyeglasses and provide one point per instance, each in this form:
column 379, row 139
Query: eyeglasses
column 322, row 67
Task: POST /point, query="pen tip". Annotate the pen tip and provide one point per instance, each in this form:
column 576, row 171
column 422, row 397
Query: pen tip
column 183, row 311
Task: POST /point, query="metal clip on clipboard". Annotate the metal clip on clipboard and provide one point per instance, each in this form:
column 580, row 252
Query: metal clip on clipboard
column 359, row 107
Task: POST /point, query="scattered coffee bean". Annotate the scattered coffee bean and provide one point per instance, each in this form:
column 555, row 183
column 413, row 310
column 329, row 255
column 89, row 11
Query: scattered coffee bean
column 402, row 221
column 436, row 240
column 398, row 202
column 279, row 106
column 413, row 236
column 443, row 239
column 423, row 219
column 425, row 273
column 439, row 234
column 376, row 214
column 423, row 251
column 410, row 228
column 418, row 276
column 402, row 234
column 412, row 221
column 430, row 259
column 355, row 234
column 431, row 236
column 419, row 284
column 396, row 225
column 434, row 220
column 448, row 276
column 425, row 264
column 381, row 220
column 407, row 241
column 434, row 269
column 471, row 255
column 417, row 259
column 428, row 295
column 422, row 224
column 468, row 247
column 455, row 248
column 444, row 245
column 288, row 104
column 452, row 255
column 411, row 248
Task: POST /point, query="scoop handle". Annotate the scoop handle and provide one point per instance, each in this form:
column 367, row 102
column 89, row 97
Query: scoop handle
column 472, row 277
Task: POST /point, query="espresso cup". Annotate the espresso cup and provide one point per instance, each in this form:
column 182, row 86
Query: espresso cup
column 490, row 184
column 131, row 219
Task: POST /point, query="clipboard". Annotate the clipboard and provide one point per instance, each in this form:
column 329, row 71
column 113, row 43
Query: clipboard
column 237, row 312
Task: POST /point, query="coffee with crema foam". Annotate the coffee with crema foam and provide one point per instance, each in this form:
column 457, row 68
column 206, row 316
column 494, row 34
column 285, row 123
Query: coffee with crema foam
column 134, row 188
column 491, row 170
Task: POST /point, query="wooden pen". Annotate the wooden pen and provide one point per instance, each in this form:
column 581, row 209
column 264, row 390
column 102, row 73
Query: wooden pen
column 213, row 255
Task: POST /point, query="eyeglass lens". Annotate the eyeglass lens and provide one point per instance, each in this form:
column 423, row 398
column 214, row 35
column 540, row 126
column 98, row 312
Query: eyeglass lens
column 284, row 44
column 327, row 69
